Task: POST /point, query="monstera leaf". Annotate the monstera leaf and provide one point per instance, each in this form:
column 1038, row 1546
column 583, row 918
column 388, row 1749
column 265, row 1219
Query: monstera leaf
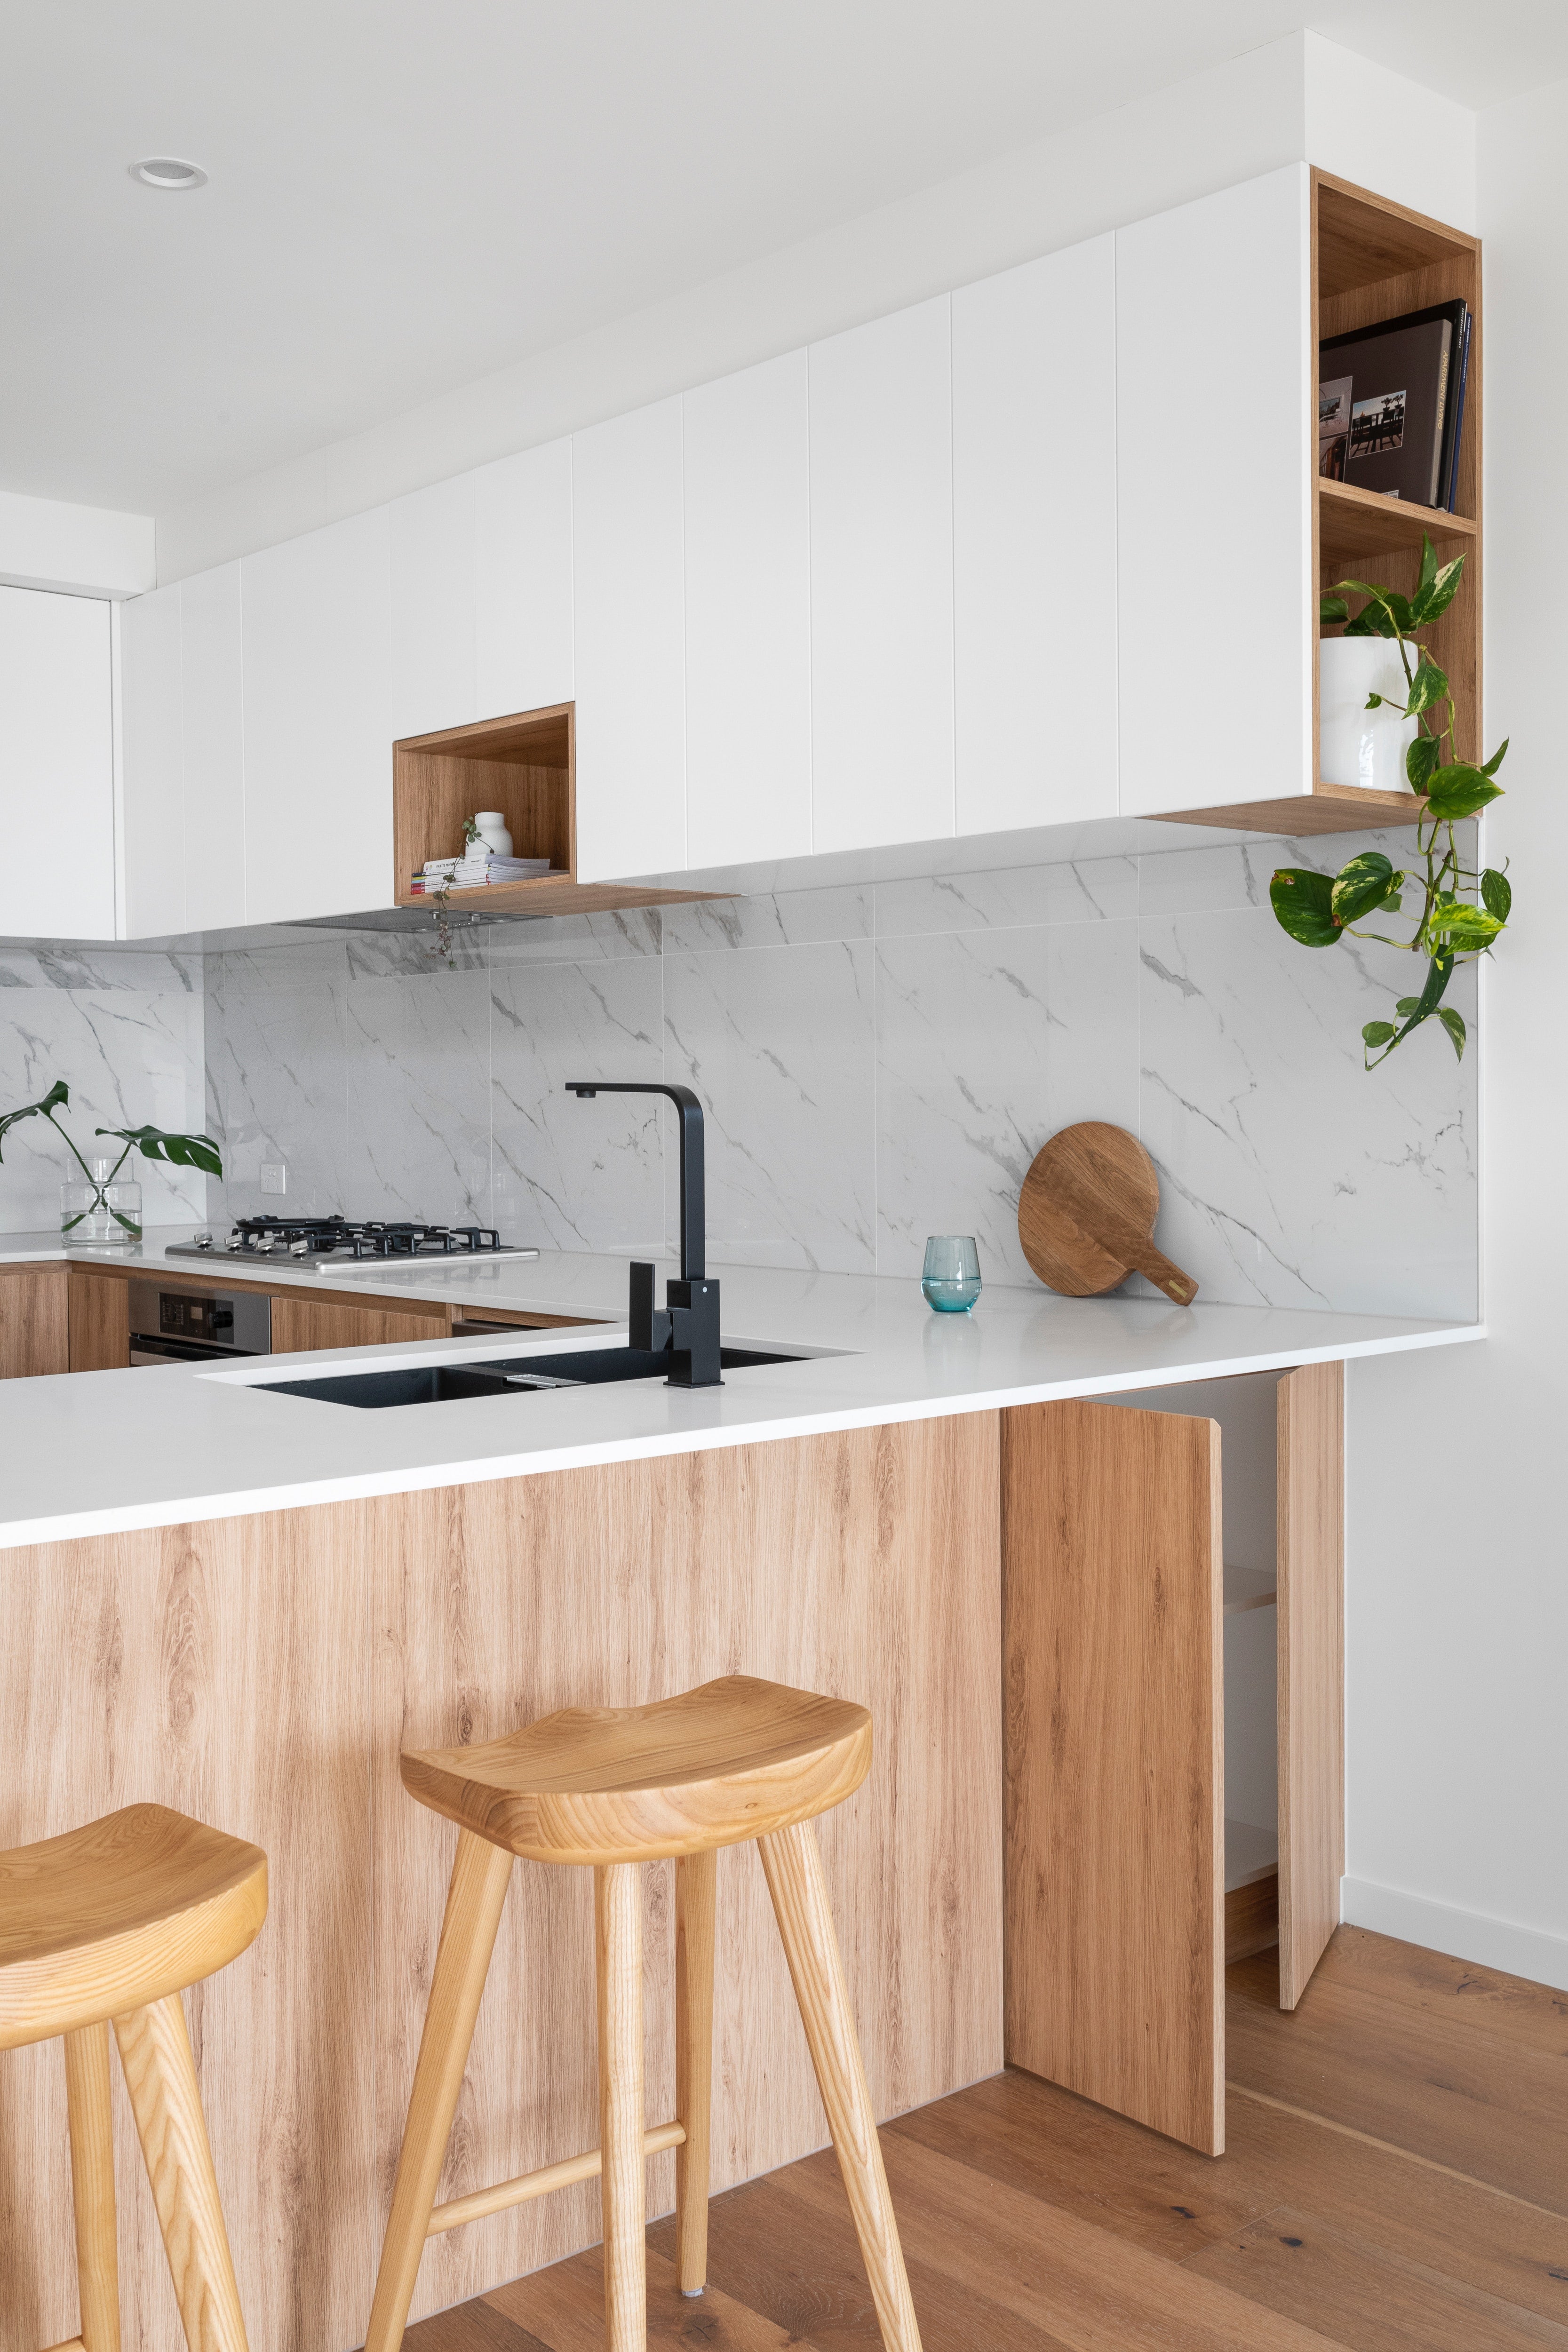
column 184, row 1151
column 59, row 1093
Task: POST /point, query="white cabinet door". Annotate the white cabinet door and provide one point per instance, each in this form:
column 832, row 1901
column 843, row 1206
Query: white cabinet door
column 432, row 682
column 629, row 596
column 1034, row 542
column 748, row 616
column 152, row 764
column 214, row 749
column 1216, row 605
column 523, row 558
column 318, row 729
column 881, row 582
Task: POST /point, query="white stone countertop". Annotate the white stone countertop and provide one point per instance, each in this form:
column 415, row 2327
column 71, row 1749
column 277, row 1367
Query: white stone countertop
column 90, row 1453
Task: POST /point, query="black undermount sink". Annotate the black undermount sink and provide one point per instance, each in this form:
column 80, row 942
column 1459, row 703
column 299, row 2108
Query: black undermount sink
column 516, row 1376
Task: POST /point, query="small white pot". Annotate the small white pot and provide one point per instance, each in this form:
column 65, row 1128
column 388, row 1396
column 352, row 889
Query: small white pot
column 493, row 832
column 1358, row 746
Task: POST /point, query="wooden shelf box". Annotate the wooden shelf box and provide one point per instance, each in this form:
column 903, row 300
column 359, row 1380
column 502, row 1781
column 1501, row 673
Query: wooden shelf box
column 525, row 765
column 1372, row 259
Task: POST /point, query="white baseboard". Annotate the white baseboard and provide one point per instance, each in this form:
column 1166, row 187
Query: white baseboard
column 1469, row 1935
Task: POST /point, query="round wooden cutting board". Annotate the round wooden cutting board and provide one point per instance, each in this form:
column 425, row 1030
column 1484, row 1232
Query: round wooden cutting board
column 1086, row 1212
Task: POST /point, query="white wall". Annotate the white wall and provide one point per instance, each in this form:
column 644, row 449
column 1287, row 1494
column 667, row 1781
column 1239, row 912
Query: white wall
column 1459, row 1565
column 80, row 550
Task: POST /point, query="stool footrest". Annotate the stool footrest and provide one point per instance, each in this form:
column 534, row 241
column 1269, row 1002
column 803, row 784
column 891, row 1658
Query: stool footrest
column 571, row 2169
column 75, row 2345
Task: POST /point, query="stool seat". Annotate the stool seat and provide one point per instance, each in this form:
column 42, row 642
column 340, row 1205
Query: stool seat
column 116, row 1915
column 732, row 1760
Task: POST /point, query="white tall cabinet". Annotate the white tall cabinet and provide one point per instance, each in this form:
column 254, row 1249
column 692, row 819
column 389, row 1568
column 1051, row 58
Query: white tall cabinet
column 56, row 766
column 522, row 582
column 881, row 582
column 1035, row 543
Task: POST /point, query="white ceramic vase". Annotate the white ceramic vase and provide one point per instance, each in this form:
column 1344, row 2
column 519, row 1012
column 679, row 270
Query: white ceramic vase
column 493, row 830
column 1358, row 746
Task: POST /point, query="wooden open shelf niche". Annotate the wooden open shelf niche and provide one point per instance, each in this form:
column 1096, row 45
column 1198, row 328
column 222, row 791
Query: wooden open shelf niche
column 525, row 765
column 1372, row 259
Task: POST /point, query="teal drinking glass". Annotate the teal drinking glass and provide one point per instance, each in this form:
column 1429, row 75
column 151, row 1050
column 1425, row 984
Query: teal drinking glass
column 951, row 1278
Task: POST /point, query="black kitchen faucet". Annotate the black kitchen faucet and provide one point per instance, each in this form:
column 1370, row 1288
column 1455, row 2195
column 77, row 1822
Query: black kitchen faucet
column 686, row 1327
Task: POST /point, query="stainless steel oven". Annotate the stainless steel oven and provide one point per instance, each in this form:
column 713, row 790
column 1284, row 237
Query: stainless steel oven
column 170, row 1326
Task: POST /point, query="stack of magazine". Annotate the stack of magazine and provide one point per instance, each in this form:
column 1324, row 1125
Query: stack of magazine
column 1391, row 404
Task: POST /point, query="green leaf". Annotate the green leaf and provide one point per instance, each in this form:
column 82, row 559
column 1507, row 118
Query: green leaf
column 1373, row 702
column 1387, row 607
column 1406, row 1005
column 1303, row 906
column 1429, row 571
column 1496, row 893
column 59, row 1093
column 1421, row 760
column 1333, row 609
column 1459, row 791
column 1495, row 762
column 1430, row 686
column 1362, row 886
column 184, row 1151
column 1370, row 622
column 1378, row 1033
column 1465, row 925
column 1431, row 601
column 1455, row 1026
column 1439, row 972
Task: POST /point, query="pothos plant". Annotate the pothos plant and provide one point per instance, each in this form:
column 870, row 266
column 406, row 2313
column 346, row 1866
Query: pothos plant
column 151, row 1142
column 442, row 943
column 1459, row 913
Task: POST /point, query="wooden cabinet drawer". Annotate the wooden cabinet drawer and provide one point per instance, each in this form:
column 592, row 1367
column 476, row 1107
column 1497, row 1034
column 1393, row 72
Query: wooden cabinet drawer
column 33, row 1336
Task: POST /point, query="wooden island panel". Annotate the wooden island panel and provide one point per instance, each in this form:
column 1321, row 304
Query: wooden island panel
column 263, row 1674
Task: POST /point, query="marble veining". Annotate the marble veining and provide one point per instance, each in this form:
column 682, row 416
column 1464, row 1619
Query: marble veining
column 877, row 1061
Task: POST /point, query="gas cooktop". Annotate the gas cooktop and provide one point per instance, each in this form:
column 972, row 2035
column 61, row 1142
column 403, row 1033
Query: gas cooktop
column 310, row 1243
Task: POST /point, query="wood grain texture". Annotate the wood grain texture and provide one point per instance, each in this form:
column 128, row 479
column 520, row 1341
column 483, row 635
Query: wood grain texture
column 160, row 2077
column 1251, row 1918
column 91, row 2123
column 1112, row 1664
column 481, row 1876
column 565, row 2305
column 1086, row 1212
column 35, row 1336
column 617, row 1939
column 1310, row 1493
column 709, row 1767
column 118, row 1913
column 863, row 1564
column 99, row 1321
column 793, row 1862
column 696, row 1888
column 302, row 1323
column 545, row 2182
column 1354, row 522
column 1328, row 808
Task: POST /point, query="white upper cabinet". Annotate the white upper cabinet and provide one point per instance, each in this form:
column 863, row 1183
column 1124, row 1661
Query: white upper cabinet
column 522, row 554
column 318, row 723
column 213, row 749
column 1034, row 542
column 748, row 616
column 629, row 597
column 1216, row 601
column 881, row 582
column 152, row 764
column 56, row 766
column 433, row 608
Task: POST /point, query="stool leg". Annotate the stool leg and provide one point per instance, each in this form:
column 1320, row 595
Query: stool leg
column 617, row 1918
column 160, row 2076
column 480, row 1875
column 696, row 1876
column 793, row 1862
column 92, row 2185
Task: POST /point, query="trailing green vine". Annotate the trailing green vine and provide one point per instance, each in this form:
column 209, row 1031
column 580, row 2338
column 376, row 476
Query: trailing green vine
column 1461, row 912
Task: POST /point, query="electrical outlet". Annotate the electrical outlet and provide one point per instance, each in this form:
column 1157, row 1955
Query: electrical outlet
column 274, row 1176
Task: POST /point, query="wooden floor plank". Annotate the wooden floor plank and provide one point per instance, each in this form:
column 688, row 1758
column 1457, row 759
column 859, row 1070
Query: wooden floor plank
column 1048, row 2143
column 1464, row 2095
column 564, row 2308
column 470, row 2327
column 1458, row 1990
column 785, row 2245
column 1364, row 2296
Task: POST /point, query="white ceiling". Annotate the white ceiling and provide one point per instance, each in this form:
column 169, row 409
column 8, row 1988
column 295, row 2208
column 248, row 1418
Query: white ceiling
column 406, row 195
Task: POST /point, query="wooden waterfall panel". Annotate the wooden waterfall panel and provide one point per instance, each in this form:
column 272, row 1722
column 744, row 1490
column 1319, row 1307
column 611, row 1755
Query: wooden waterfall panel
column 1312, row 1670
column 1114, row 1732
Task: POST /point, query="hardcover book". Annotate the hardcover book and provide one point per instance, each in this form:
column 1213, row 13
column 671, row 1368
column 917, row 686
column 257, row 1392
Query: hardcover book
column 1398, row 437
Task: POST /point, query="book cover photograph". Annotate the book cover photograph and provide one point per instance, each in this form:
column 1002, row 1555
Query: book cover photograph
column 1333, row 428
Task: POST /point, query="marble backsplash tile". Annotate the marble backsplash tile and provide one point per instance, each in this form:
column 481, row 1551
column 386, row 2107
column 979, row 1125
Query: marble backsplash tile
column 876, row 1062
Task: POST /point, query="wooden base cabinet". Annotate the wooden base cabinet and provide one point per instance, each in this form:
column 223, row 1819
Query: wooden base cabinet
column 33, row 1324
column 1113, row 1611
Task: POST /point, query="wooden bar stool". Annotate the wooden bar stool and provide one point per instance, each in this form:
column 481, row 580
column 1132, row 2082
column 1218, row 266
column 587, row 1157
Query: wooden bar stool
column 112, row 1921
column 617, row 1787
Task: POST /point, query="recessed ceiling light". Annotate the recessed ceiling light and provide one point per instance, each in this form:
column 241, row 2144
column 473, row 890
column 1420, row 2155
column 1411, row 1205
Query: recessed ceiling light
column 168, row 171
